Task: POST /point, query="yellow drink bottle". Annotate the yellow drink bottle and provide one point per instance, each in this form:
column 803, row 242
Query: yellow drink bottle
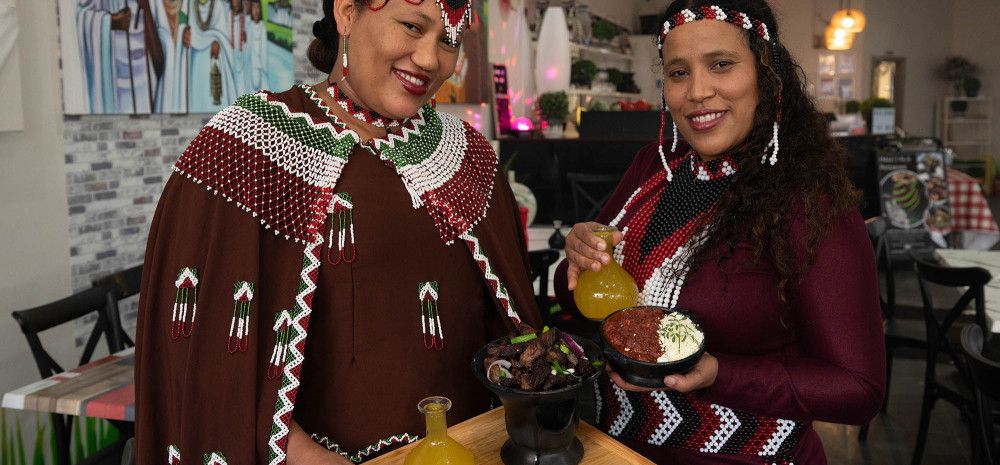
column 437, row 448
column 601, row 293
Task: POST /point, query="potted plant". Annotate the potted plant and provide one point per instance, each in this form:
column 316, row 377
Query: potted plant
column 616, row 77
column 971, row 84
column 852, row 106
column 603, row 31
column 582, row 73
column 954, row 70
column 553, row 106
column 867, row 105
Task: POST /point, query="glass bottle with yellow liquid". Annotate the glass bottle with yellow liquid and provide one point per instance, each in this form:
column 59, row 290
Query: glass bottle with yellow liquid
column 438, row 448
column 601, row 293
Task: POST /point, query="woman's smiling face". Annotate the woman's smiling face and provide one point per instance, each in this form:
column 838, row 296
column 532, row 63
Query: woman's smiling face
column 710, row 85
column 399, row 56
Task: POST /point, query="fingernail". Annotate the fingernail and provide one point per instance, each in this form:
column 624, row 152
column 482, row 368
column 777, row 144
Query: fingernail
column 670, row 381
column 599, row 245
column 605, row 259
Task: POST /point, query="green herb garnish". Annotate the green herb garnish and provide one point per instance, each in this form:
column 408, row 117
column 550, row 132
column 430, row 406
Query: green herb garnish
column 523, row 338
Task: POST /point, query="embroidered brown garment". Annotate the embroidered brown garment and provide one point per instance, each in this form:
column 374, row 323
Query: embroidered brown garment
column 336, row 345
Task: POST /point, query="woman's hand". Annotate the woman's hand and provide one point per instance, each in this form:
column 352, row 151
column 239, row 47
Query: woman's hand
column 702, row 375
column 585, row 251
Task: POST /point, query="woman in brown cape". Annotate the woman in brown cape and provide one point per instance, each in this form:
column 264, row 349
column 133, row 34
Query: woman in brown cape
column 325, row 257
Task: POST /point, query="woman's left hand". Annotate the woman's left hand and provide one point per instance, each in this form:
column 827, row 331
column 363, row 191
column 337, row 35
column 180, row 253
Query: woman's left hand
column 702, row 375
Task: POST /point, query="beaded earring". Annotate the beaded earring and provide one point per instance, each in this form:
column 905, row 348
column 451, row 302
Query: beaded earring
column 345, row 57
column 663, row 124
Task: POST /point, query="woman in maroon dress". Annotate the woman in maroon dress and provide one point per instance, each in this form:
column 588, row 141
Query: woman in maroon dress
column 750, row 223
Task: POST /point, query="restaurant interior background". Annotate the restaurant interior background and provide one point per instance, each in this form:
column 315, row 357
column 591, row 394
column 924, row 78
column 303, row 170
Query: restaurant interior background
column 77, row 191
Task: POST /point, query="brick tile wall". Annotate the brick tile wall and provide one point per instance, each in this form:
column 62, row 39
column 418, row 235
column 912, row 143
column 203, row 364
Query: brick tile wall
column 116, row 167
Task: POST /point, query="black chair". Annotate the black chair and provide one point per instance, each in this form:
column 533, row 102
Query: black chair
column 895, row 336
column 125, row 284
column 986, row 376
column 539, row 262
column 594, row 189
column 33, row 321
column 938, row 323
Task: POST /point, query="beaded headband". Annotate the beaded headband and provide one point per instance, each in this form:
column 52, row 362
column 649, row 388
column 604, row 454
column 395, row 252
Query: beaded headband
column 737, row 18
column 455, row 14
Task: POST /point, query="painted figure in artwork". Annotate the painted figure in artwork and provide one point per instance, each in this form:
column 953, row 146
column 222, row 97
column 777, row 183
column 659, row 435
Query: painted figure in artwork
column 120, row 54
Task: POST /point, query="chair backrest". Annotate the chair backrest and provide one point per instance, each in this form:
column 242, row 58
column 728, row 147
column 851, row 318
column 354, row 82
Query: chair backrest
column 125, row 284
column 595, row 189
column 878, row 235
column 539, row 262
column 972, row 278
column 36, row 320
column 985, row 372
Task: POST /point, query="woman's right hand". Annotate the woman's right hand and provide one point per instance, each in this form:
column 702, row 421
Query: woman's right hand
column 585, row 251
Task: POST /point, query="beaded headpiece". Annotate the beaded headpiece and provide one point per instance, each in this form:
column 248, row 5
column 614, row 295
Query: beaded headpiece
column 739, row 19
column 455, row 14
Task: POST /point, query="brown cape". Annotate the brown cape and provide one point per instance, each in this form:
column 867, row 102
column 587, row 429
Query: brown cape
column 348, row 358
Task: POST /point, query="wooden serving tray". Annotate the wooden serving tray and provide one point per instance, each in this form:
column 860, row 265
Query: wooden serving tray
column 486, row 433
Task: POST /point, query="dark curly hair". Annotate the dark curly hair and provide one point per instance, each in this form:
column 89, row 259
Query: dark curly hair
column 809, row 179
column 323, row 50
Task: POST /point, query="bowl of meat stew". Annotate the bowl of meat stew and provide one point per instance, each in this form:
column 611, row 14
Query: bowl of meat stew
column 644, row 344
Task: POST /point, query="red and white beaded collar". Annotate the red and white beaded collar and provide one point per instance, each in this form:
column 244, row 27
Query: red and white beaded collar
column 358, row 111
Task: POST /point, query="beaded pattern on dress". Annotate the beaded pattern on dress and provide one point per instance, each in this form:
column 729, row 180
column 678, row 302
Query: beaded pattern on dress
column 446, row 166
column 673, row 419
column 173, row 455
column 186, row 284
column 366, row 452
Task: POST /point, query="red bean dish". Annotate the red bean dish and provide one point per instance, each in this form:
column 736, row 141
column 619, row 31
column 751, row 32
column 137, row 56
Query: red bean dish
column 635, row 333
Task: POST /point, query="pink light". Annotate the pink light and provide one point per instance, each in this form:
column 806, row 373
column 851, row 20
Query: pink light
column 523, row 124
column 552, row 73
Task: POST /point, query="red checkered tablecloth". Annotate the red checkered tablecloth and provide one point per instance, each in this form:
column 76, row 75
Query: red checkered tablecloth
column 971, row 214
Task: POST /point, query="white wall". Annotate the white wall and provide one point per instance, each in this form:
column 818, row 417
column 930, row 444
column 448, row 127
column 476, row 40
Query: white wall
column 34, row 258
column 975, row 35
column 34, row 263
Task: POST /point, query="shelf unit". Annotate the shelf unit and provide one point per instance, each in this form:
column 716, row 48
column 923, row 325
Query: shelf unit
column 969, row 134
column 594, row 93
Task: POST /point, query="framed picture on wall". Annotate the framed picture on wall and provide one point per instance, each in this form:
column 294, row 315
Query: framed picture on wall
column 845, row 87
column 845, row 64
column 827, row 64
column 827, row 88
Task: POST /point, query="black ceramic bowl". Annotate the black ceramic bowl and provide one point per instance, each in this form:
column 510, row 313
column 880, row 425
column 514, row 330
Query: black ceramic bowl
column 541, row 425
column 642, row 373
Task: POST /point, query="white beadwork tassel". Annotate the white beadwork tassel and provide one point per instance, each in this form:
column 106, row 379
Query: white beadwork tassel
column 663, row 159
column 772, row 146
column 673, row 145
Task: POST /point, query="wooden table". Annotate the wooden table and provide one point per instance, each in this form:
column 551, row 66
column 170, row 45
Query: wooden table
column 485, row 434
column 990, row 260
column 100, row 389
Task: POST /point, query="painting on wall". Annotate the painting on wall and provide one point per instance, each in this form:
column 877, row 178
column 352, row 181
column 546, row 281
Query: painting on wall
column 171, row 56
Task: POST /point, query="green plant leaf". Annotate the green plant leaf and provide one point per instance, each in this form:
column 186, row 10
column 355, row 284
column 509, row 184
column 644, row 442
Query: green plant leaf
column 5, row 449
column 22, row 460
column 91, row 435
column 78, row 453
column 38, row 458
column 53, row 446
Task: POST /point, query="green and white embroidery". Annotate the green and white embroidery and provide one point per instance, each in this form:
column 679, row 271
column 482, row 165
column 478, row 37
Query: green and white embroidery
column 215, row 458
column 187, row 281
column 430, row 317
column 173, row 455
column 239, row 327
column 367, row 452
column 282, row 321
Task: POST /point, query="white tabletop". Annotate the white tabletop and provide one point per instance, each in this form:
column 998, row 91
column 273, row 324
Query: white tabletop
column 990, row 260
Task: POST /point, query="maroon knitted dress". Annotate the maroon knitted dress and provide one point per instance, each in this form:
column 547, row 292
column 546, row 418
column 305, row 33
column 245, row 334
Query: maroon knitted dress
column 819, row 357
